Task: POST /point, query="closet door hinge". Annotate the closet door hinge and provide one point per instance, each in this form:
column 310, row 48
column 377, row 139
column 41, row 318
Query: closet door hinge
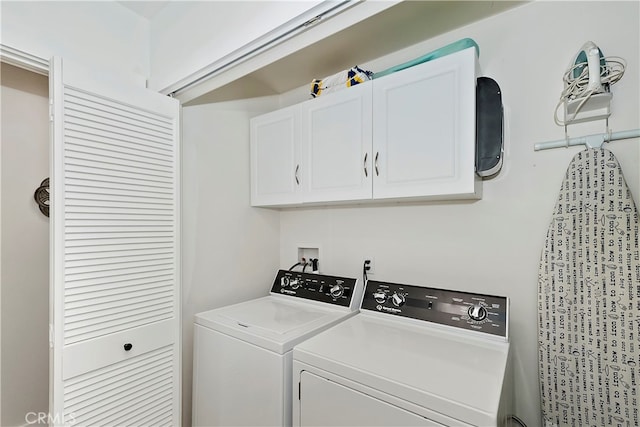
column 51, row 109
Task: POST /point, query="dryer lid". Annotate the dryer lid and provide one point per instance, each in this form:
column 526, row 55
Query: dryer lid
column 456, row 374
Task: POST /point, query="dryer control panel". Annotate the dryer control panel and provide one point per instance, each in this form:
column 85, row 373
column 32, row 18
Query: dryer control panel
column 475, row 312
column 341, row 291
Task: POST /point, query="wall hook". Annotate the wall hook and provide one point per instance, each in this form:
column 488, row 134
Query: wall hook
column 41, row 197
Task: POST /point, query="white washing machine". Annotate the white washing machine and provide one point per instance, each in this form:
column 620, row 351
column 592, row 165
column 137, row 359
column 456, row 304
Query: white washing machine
column 243, row 353
column 413, row 356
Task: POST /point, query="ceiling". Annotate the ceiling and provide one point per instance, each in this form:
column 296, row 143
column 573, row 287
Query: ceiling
column 146, row 9
column 398, row 27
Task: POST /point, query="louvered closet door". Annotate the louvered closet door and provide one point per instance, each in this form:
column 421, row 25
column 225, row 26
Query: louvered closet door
column 115, row 290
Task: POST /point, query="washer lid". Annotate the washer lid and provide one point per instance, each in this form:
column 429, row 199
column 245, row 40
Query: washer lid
column 456, row 374
column 272, row 316
column 272, row 322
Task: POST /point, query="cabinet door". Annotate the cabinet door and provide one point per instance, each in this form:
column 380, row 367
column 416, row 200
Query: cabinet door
column 337, row 145
column 424, row 130
column 276, row 171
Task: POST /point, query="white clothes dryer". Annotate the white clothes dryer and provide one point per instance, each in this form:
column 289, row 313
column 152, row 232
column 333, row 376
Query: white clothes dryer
column 413, row 356
column 242, row 361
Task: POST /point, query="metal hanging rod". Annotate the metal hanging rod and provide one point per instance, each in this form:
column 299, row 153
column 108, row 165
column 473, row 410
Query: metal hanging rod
column 591, row 141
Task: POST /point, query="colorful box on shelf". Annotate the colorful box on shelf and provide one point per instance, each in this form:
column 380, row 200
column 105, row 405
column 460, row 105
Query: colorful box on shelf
column 438, row 53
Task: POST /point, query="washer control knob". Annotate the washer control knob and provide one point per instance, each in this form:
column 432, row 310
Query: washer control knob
column 284, row 282
column 380, row 297
column 336, row 291
column 477, row 312
column 397, row 299
column 295, row 284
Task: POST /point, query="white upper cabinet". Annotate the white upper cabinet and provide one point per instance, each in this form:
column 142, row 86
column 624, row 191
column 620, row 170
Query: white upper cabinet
column 424, row 130
column 336, row 141
column 275, row 158
column 407, row 135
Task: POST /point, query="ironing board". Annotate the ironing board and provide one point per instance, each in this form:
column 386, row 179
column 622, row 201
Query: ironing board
column 589, row 299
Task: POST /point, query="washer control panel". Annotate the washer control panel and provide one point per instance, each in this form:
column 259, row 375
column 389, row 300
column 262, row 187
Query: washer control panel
column 476, row 312
column 317, row 287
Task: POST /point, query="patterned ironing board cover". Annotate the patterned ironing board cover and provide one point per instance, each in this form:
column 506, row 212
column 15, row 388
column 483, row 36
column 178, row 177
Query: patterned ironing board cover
column 589, row 299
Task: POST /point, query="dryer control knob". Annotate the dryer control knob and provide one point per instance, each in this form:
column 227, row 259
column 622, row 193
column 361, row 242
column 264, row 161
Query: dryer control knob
column 380, row 297
column 477, row 312
column 398, row 299
column 284, row 282
column 336, row 291
column 295, row 284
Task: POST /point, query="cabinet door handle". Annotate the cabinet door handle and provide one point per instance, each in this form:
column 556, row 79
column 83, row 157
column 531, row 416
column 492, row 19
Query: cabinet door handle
column 296, row 174
column 366, row 174
column 376, row 163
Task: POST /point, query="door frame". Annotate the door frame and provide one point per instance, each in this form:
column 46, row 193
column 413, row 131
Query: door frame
column 33, row 63
column 22, row 59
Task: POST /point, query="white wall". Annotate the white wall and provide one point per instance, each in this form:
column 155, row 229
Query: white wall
column 25, row 242
column 0, row 262
column 102, row 34
column 230, row 251
column 188, row 36
column 492, row 245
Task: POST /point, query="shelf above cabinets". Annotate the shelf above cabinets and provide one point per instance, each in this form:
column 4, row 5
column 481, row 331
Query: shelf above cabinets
column 406, row 136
